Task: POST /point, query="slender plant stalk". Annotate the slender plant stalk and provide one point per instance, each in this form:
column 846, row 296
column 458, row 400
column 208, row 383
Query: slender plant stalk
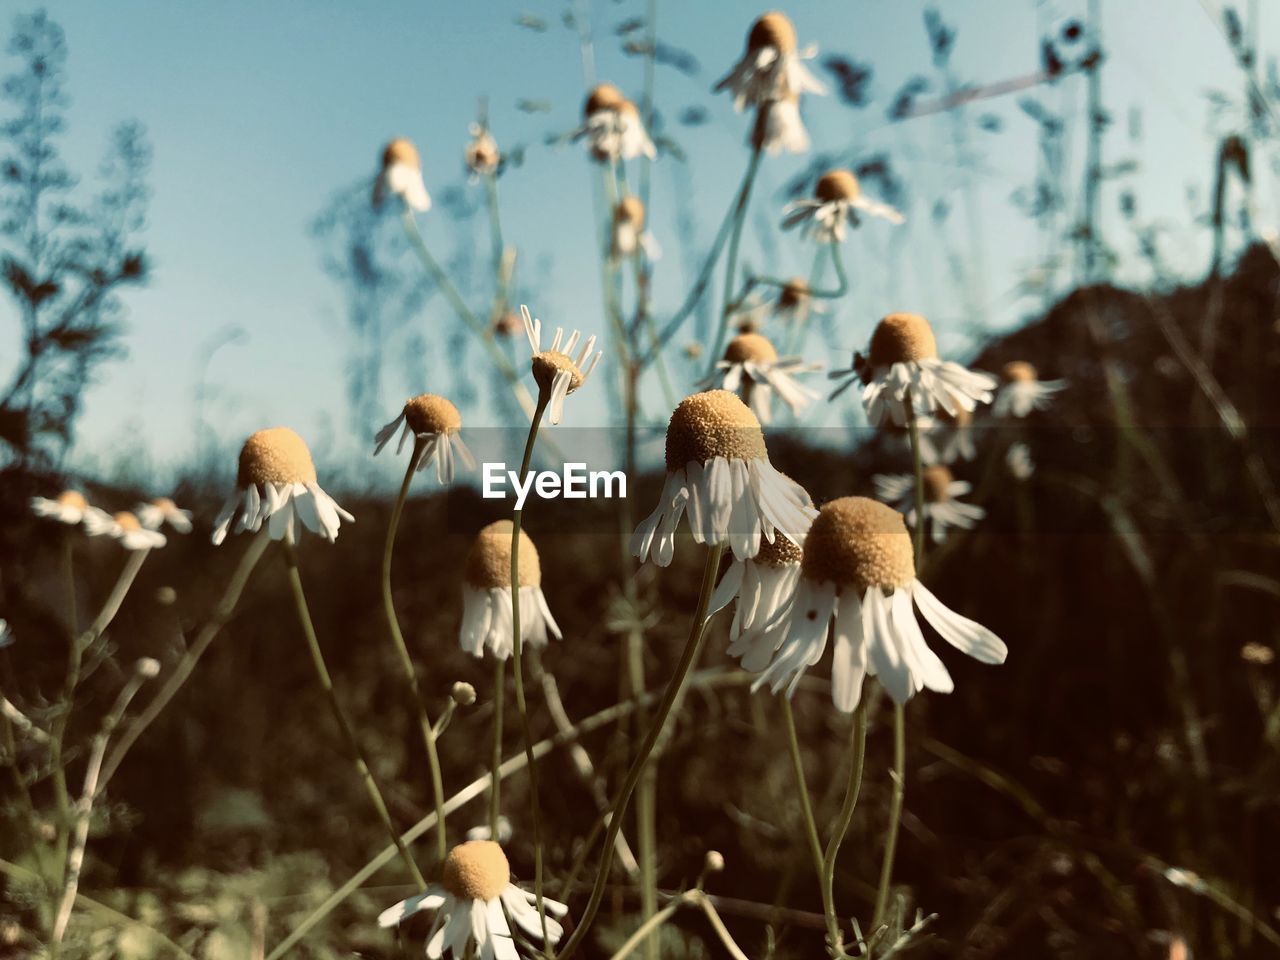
column 495, row 785
column 644, row 932
column 917, row 463
column 646, row 800
column 731, row 263
column 857, row 756
column 402, row 649
column 692, row 650
column 895, row 812
column 806, row 812
column 357, row 755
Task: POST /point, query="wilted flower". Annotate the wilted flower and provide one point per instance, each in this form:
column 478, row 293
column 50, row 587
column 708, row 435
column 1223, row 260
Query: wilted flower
column 554, row 369
column 629, row 234
column 1023, row 391
column 837, row 199
column 401, row 176
column 942, row 508
column 1018, row 461
column 436, row 423
column 482, row 155
column 751, row 365
column 858, row 573
column 70, row 506
column 613, row 127
column 162, row 510
column 486, row 595
column 772, row 68
column 779, row 128
column 276, row 484
column 718, row 469
column 469, row 900
column 123, row 527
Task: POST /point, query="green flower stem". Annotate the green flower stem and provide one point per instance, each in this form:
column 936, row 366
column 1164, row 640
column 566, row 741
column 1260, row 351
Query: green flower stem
column 857, row 756
column 357, row 755
column 731, row 265
column 895, row 812
column 692, row 650
column 406, row 660
column 544, row 397
column 495, row 785
column 917, row 462
column 810, row 824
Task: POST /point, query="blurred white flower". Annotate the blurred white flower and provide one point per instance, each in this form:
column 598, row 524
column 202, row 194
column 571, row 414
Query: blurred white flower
column 123, row 527
column 612, row 126
column 482, row 156
column 771, row 68
column 401, row 176
column 751, row 367
column 1018, row 461
column 69, row 507
column 1023, row 391
column 779, row 127
column 837, row 201
column 942, row 508
column 629, row 235
column 162, row 510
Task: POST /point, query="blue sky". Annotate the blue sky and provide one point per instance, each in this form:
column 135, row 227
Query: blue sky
column 258, row 112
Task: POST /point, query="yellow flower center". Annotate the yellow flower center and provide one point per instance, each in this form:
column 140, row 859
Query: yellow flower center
column 72, row 499
column 901, row 338
column 775, row 30
column 403, row 151
column 781, row 553
column 713, row 424
column 428, row 413
column 476, row 870
column 127, row 521
column 630, row 210
column 1019, row 371
column 860, row 543
column 837, row 185
column 276, row 455
column 488, row 563
column 936, row 481
column 164, row 505
column 604, row 96
column 794, row 294
column 550, row 362
column 750, row 346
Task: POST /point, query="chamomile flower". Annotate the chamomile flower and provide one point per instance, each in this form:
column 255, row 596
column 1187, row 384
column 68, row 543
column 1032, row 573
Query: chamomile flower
column 160, row 511
column 276, row 484
column 837, row 201
column 718, row 470
column 947, row 438
column 123, row 527
column 904, row 361
column 1023, row 391
column 436, row 423
column 629, row 235
column 942, row 507
column 795, row 301
column 858, row 573
column 771, row 68
column 401, row 176
column 68, row 507
column 555, row 369
column 612, row 126
column 469, row 902
column 482, row 155
column 752, row 367
column 779, row 127
column 486, row 595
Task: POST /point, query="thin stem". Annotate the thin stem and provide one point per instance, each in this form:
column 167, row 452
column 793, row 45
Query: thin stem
column 731, row 264
column 810, row 824
column 726, row 939
column 646, row 800
column 692, row 650
column 402, row 649
column 895, row 812
column 322, row 673
column 495, row 790
column 649, row 927
column 857, row 756
column 917, row 462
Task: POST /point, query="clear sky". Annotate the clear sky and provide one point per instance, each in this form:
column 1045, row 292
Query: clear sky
column 258, row 112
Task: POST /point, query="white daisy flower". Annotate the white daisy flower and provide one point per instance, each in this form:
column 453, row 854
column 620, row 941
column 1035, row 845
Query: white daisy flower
column 795, row 301
column 942, row 507
column 70, row 507
column 946, row 439
column 486, row 595
column 629, row 234
column 772, row 68
column 123, row 527
column 555, row 369
column 858, row 573
column 401, row 176
column 162, row 510
column 1018, row 461
column 469, row 903
column 779, row 127
column 482, row 155
column 437, row 424
column 1023, row 391
column 904, row 359
column 276, row 484
column 751, row 367
column 613, row 127
column 837, row 201
column 718, row 470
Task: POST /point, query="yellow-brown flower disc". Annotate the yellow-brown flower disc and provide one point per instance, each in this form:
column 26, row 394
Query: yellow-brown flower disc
column 837, row 185
column 750, row 346
column 604, row 96
column 780, row 553
column 547, row 364
column 1019, row 371
column 127, row 521
column 713, row 424
column 164, row 504
column 476, row 870
column 901, row 338
column 860, row 543
column 403, row 151
column 275, row 455
column 428, row 413
column 794, row 294
column 484, row 154
column 630, row 210
column 773, row 29
column 936, row 481
column 488, row 562
column 73, row 499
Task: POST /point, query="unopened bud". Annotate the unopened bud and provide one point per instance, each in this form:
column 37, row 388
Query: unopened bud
column 714, row 862
column 147, row 667
column 464, row 694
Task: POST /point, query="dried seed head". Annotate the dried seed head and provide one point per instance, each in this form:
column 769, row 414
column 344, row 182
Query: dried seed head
column 630, row 210
column 937, row 480
column 775, row 30
column 713, row 424
column 901, row 338
column 550, row 362
column 403, row 151
column 488, row 563
column 750, row 346
column 428, row 413
column 126, row 521
column 1019, row 371
column 72, row 499
column 859, row 543
column 275, row 455
column 837, row 185
column 476, row 870
column 794, row 294
column 605, row 96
